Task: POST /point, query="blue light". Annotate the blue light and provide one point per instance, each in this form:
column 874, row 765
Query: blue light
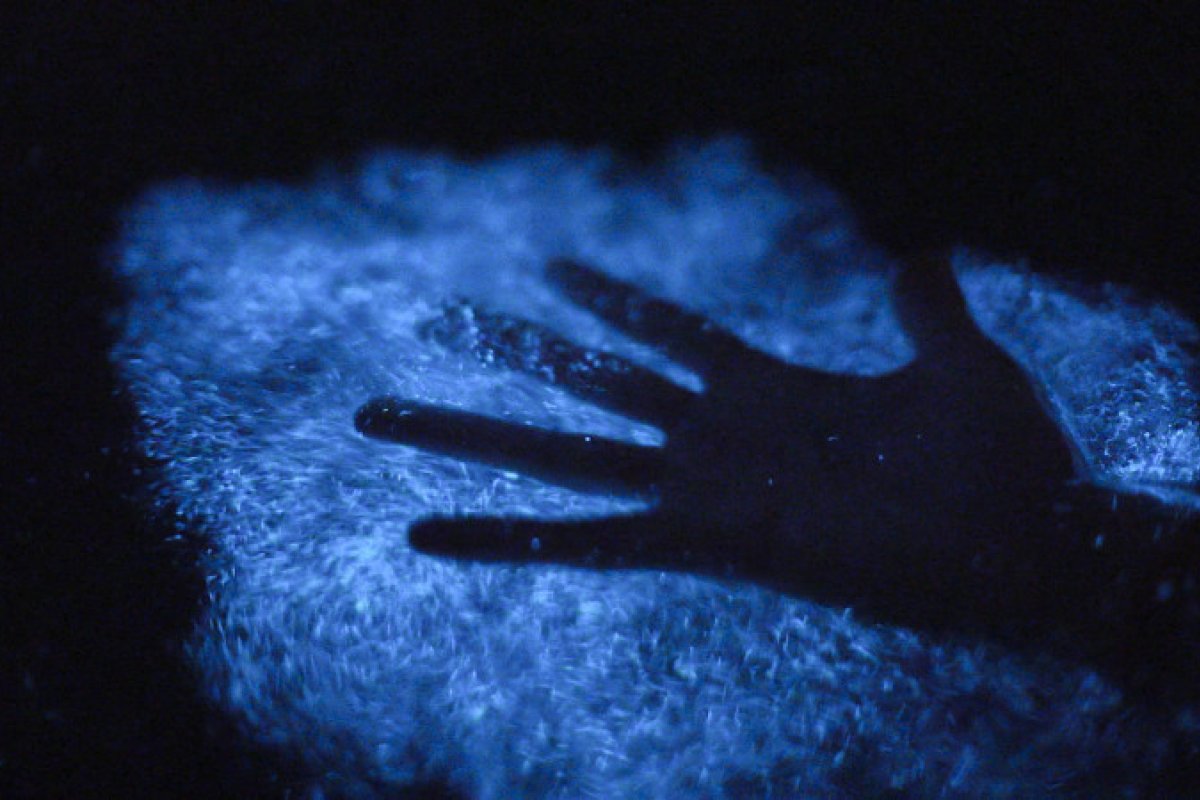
column 262, row 316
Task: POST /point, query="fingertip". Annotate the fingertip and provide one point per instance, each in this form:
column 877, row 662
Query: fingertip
column 439, row 536
column 482, row 539
column 365, row 417
column 382, row 417
column 369, row 412
column 424, row 536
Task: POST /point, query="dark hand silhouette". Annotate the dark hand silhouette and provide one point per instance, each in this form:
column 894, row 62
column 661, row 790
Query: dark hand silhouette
column 941, row 495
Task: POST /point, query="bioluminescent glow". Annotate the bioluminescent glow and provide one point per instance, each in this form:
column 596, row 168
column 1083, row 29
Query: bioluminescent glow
column 262, row 316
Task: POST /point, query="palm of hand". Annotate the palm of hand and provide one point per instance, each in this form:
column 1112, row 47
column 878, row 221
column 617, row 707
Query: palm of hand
column 811, row 481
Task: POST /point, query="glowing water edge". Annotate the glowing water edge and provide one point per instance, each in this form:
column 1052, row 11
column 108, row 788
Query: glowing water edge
column 262, row 316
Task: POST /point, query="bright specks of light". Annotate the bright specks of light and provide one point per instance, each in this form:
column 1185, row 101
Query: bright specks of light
column 262, row 316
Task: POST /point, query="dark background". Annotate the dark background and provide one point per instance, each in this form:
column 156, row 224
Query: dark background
column 1059, row 134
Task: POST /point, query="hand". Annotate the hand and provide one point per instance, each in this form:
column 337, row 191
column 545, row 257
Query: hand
column 920, row 496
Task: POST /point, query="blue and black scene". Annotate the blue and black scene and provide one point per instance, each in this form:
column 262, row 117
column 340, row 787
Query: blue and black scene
column 546, row 474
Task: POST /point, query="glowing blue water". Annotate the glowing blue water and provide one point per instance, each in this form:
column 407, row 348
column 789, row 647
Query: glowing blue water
column 261, row 316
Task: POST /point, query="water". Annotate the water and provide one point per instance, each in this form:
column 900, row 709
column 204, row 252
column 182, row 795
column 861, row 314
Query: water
column 261, row 317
